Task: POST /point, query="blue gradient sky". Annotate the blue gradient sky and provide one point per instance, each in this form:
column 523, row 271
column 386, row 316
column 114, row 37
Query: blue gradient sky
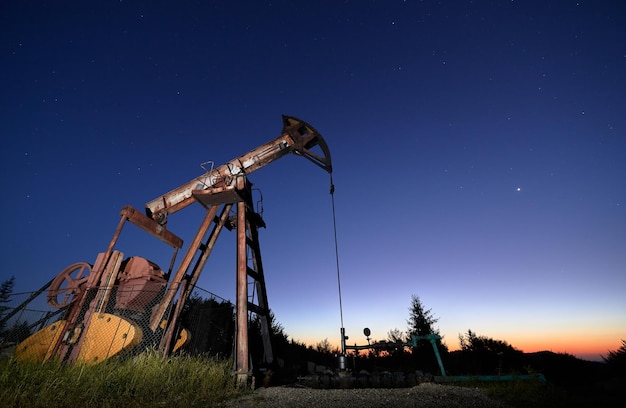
column 478, row 151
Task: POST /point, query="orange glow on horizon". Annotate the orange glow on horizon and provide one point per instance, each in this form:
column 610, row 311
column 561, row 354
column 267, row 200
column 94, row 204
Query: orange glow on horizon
column 589, row 347
column 581, row 346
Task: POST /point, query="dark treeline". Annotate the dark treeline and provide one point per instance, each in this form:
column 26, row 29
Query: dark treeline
column 212, row 325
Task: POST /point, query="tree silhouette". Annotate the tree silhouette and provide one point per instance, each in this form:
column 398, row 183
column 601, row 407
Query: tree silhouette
column 395, row 341
column 6, row 289
column 421, row 320
column 484, row 355
column 616, row 360
column 421, row 323
column 473, row 342
column 278, row 338
column 211, row 324
column 395, row 336
column 17, row 333
column 323, row 347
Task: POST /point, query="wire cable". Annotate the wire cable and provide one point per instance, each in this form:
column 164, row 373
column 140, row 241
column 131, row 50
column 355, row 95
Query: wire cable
column 332, row 195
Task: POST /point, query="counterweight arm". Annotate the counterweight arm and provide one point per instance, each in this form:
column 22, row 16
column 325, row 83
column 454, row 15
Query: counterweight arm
column 297, row 137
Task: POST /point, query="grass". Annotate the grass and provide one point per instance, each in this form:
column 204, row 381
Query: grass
column 526, row 394
column 143, row 381
column 522, row 394
column 185, row 381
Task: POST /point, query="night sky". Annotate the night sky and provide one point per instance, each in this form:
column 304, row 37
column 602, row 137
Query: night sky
column 478, row 150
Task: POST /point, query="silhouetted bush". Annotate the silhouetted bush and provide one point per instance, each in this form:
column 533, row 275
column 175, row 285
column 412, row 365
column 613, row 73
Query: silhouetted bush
column 484, row 355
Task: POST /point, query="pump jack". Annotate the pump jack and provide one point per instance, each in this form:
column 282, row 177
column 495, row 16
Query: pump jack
column 114, row 293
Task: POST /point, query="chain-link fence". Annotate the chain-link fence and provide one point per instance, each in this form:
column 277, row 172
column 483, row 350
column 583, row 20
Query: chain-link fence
column 22, row 314
column 119, row 321
column 210, row 321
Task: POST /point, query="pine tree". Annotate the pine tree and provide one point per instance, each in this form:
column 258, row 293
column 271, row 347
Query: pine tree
column 616, row 359
column 421, row 323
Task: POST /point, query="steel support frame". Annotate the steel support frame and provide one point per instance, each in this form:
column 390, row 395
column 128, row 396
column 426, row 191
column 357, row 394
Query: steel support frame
column 247, row 223
column 248, row 250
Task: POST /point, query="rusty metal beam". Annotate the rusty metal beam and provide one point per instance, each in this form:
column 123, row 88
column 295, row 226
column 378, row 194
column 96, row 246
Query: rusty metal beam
column 99, row 302
column 111, row 272
column 188, row 285
column 151, row 227
column 296, row 137
column 166, row 341
column 242, row 365
column 156, row 318
column 210, row 244
column 180, row 197
column 262, row 309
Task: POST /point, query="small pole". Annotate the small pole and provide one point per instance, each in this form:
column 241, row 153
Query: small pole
column 342, row 356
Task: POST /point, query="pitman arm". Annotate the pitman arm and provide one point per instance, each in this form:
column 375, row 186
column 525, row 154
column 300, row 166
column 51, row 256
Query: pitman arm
column 297, row 137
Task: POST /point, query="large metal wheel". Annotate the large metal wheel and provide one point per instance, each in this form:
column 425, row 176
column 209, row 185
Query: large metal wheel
column 68, row 284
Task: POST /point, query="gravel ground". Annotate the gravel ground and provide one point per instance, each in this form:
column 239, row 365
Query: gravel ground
column 426, row 395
